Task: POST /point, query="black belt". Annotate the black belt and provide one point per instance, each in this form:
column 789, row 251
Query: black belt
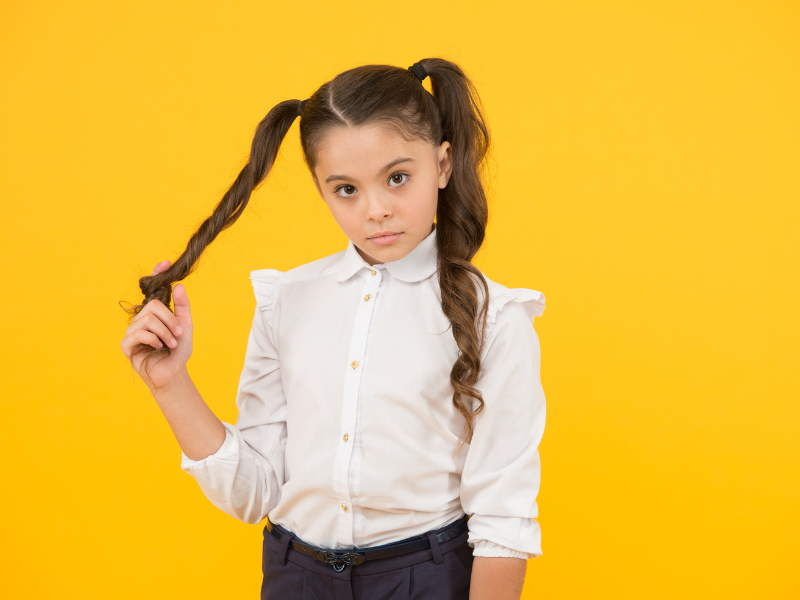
column 339, row 559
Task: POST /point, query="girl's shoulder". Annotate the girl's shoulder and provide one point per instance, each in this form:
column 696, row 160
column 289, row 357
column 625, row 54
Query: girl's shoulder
column 500, row 296
column 510, row 315
column 266, row 282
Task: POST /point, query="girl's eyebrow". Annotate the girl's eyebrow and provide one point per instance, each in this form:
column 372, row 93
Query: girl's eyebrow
column 382, row 171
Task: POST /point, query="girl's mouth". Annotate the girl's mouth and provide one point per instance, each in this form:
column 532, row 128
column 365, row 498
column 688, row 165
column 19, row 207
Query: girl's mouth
column 383, row 239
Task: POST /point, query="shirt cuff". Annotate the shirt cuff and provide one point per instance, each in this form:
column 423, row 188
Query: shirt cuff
column 490, row 549
column 187, row 464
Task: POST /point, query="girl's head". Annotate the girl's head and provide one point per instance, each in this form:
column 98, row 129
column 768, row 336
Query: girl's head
column 386, row 156
column 381, row 188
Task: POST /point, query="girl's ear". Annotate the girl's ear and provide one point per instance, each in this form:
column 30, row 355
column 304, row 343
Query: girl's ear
column 444, row 155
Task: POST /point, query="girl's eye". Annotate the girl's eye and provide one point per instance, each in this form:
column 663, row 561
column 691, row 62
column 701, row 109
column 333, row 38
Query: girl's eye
column 398, row 179
column 348, row 190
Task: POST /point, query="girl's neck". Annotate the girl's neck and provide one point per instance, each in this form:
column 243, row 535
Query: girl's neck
column 367, row 258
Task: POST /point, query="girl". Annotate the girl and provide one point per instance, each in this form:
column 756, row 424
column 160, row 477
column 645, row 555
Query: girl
column 390, row 408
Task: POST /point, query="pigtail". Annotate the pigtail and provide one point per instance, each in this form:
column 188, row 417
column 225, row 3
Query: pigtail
column 263, row 152
column 461, row 220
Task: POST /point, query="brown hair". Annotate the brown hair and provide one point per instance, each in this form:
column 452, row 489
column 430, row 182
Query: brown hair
column 393, row 96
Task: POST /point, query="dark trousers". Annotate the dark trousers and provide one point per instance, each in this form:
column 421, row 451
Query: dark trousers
column 441, row 572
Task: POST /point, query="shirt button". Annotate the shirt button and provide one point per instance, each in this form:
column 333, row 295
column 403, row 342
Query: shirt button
column 344, row 507
column 366, row 297
column 372, row 272
column 354, row 364
column 346, row 437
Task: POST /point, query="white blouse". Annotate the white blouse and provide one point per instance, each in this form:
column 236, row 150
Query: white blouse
column 347, row 433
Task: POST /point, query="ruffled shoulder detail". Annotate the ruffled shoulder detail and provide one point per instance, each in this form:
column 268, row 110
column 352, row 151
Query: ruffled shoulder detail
column 500, row 295
column 265, row 283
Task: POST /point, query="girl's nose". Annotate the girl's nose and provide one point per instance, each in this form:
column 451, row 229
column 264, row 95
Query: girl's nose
column 378, row 208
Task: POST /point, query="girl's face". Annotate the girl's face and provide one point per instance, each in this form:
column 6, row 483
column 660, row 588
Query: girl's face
column 381, row 189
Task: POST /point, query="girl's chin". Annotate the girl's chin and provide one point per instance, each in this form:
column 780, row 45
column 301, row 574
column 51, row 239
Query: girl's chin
column 390, row 255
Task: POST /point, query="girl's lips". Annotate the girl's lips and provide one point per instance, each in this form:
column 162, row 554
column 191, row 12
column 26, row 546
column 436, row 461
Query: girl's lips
column 382, row 240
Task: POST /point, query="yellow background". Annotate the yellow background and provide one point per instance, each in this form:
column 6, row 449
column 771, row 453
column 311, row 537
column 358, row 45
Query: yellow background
column 646, row 179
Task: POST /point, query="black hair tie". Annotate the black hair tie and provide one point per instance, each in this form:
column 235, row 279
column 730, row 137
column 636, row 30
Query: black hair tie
column 302, row 108
column 418, row 70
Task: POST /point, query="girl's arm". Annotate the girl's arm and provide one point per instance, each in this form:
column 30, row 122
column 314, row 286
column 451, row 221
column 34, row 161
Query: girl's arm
column 500, row 479
column 198, row 430
column 497, row 578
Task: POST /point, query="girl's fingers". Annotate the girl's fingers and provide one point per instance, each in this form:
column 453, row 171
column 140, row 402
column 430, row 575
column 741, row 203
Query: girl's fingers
column 157, row 308
column 148, row 337
column 151, row 322
column 167, row 316
column 161, row 267
column 155, row 325
column 183, row 311
column 140, row 336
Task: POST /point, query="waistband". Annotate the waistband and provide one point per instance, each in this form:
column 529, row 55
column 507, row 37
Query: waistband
column 406, row 552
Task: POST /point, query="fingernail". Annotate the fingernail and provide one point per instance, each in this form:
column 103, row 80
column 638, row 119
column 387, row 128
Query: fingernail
column 179, row 330
column 172, row 342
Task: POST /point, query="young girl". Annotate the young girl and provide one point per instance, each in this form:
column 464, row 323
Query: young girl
column 390, row 408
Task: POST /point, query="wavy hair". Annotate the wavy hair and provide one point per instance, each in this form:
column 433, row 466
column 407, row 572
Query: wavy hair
column 393, row 96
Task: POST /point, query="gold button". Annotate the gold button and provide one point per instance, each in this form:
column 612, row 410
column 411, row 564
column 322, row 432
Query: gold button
column 346, row 437
column 366, row 297
column 344, row 507
column 372, row 272
column 354, row 364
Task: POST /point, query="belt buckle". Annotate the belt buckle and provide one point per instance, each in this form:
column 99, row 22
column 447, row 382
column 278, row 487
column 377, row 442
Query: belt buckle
column 340, row 560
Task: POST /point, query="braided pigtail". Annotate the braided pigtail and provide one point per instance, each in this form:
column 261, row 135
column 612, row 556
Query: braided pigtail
column 461, row 219
column 264, row 150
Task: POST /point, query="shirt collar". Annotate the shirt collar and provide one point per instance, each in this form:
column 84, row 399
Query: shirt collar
column 417, row 265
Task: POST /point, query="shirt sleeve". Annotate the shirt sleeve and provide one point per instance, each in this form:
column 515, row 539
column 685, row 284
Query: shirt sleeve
column 501, row 475
column 244, row 477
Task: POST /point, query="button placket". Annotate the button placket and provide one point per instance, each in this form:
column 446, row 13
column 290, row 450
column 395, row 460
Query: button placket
column 352, row 385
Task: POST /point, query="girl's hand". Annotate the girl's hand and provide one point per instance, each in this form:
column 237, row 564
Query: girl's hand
column 157, row 326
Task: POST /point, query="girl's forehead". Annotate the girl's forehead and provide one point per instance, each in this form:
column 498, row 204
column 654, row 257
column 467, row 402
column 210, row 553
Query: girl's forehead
column 365, row 149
